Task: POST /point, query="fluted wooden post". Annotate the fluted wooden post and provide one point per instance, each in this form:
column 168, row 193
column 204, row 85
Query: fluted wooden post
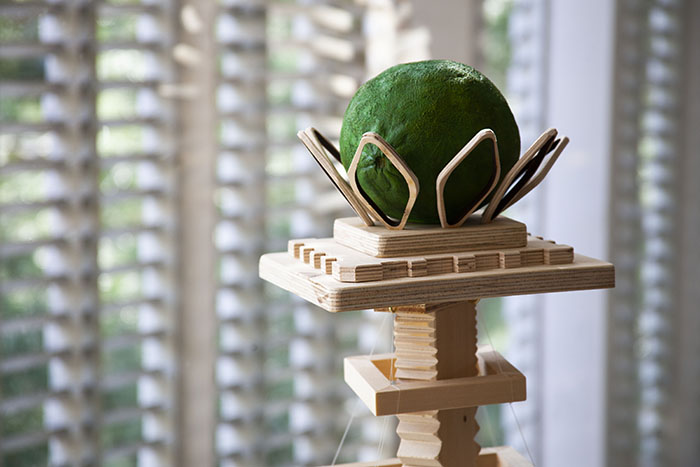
column 437, row 342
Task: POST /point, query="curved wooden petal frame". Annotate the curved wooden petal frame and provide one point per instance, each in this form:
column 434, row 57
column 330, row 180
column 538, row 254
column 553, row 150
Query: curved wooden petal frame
column 526, row 174
column 404, row 170
column 553, row 153
column 533, row 154
column 315, row 142
column 445, row 173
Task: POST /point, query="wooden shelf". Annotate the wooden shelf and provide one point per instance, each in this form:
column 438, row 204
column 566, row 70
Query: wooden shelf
column 499, row 456
column 369, row 377
column 330, row 294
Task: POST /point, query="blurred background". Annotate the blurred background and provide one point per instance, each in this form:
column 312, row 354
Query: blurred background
column 148, row 157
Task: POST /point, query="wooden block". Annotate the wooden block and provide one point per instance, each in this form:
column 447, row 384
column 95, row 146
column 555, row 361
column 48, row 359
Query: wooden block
column 316, row 259
column 323, row 290
column 417, row 240
column 486, row 260
column 509, row 259
column 464, row 262
column 558, row 254
column 370, row 377
column 327, row 264
column 532, row 256
column 305, row 253
column 417, row 267
column 439, row 264
column 294, row 246
column 394, row 269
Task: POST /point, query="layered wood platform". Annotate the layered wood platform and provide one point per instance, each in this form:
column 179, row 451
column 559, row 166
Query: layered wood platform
column 499, row 456
column 348, row 265
column 426, row 240
column 330, row 294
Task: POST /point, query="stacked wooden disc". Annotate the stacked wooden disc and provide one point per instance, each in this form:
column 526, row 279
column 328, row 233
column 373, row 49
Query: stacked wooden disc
column 431, row 279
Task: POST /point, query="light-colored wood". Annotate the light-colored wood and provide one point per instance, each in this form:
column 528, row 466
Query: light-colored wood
column 310, row 138
column 330, row 294
column 445, row 173
column 499, row 456
column 514, row 173
column 348, row 265
column 437, row 343
column 367, row 210
column 541, row 173
column 370, row 377
column 401, row 166
column 417, row 240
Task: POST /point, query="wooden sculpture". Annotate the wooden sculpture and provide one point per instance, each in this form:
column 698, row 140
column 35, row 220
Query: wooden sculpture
column 431, row 278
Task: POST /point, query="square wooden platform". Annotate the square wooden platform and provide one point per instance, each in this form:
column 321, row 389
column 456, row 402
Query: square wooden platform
column 414, row 240
column 330, row 294
column 499, row 456
column 369, row 377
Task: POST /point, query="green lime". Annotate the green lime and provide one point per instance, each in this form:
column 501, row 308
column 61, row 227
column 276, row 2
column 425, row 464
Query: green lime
column 428, row 111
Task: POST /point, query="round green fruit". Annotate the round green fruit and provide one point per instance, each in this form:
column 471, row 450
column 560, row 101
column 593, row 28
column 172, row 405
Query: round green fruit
column 428, row 111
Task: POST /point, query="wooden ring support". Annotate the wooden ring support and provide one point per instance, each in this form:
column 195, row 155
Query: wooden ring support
column 315, row 142
column 445, row 173
column 517, row 171
column 401, row 166
column 524, row 176
column 553, row 153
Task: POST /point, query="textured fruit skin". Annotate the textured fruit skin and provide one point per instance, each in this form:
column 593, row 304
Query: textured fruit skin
column 428, row 111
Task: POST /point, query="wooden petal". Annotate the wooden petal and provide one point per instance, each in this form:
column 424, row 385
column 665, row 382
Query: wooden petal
column 402, row 167
column 517, row 172
column 445, row 173
column 315, row 143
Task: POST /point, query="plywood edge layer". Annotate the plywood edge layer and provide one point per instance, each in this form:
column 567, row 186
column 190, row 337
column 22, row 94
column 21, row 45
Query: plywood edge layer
column 322, row 290
column 497, row 456
column 383, row 243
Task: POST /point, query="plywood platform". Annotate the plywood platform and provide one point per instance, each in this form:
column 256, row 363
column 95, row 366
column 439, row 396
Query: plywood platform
column 415, row 240
column 499, row 456
column 325, row 291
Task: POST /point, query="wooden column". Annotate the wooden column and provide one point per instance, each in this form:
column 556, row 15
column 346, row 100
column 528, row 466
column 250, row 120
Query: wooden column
column 436, row 342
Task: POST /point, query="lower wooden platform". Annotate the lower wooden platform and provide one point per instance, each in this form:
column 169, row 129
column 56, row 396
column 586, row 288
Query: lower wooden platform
column 369, row 377
column 499, row 456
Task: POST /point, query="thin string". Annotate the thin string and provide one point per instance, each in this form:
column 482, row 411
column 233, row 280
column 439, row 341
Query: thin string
column 517, row 422
column 381, row 438
column 489, row 429
column 391, row 382
column 353, row 413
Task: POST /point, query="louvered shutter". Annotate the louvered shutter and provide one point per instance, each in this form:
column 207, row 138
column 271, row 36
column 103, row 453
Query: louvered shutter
column 527, row 93
column 87, row 234
column 653, row 374
column 279, row 369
